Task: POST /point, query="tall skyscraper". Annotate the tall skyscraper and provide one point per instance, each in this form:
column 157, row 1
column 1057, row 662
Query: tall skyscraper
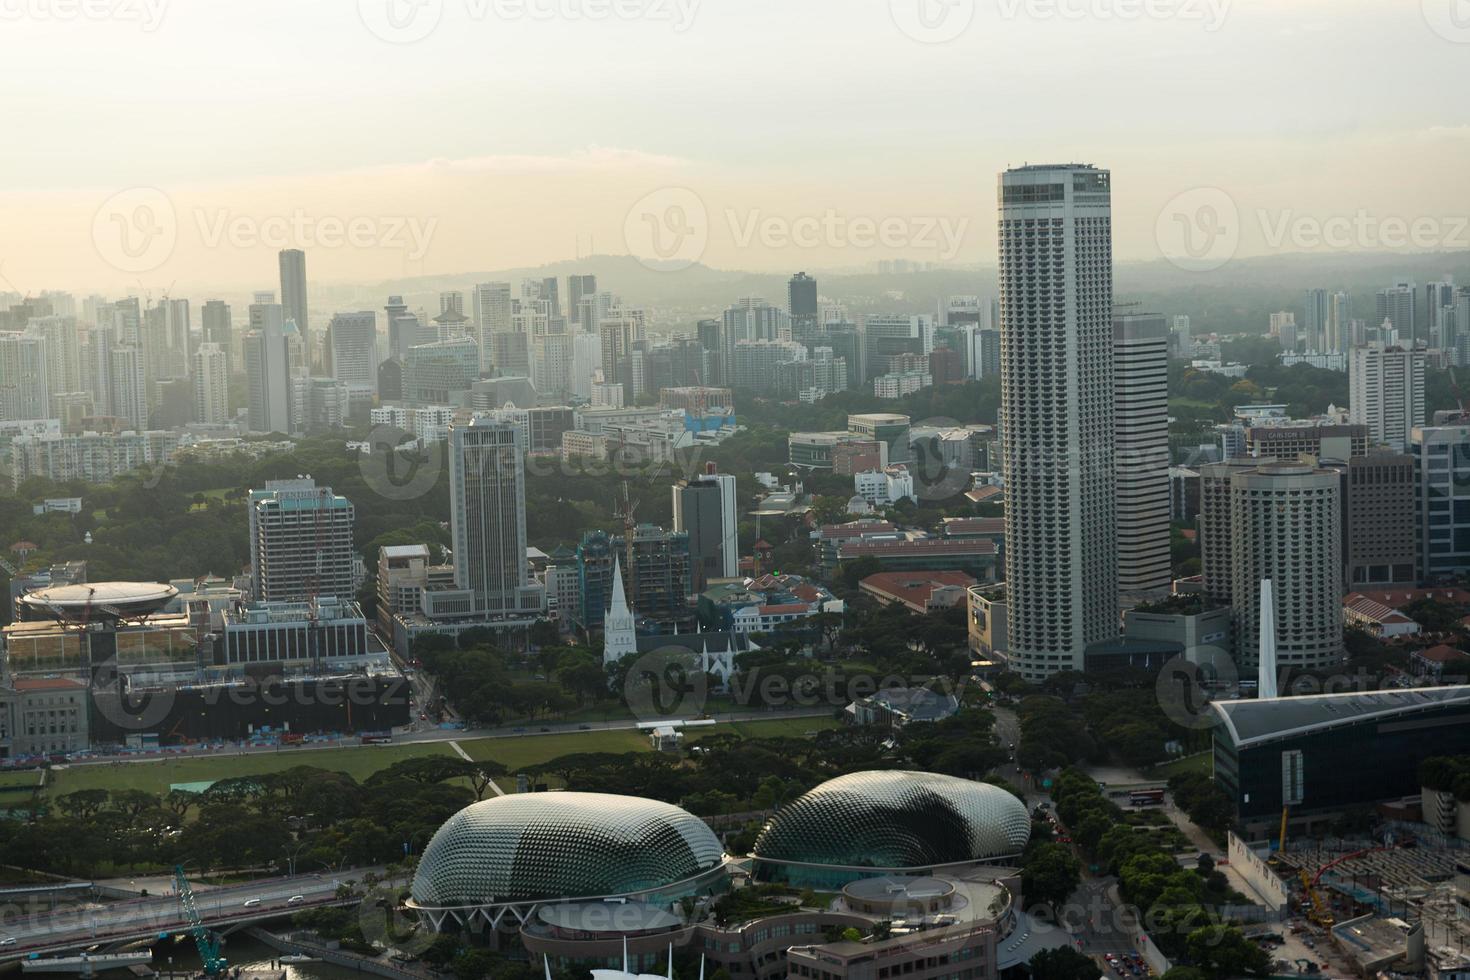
column 211, row 377
column 293, row 293
column 705, row 509
column 1141, row 414
column 1056, row 302
column 1386, row 392
column 493, row 308
column 487, row 495
column 1314, row 325
column 1395, row 307
column 268, row 370
column 1442, row 472
column 353, row 342
column 1180, row 342
column 1286, row 526
column 1339, row 323
column 215, row 326
column 801, row 303
column 578, row 287
column 300, row 542
column 1437, row 296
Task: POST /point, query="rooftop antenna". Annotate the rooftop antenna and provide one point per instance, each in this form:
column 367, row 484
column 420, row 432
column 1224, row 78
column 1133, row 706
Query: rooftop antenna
column 625, row 955
column 671, row 962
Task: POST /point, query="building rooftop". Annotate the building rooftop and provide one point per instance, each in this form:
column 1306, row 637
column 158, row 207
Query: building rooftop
column 1268, row 719
column 914, row 588
column 1443, row 654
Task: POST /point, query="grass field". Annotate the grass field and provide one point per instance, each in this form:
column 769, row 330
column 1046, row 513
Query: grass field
column 360, row 761
column 1203, row 763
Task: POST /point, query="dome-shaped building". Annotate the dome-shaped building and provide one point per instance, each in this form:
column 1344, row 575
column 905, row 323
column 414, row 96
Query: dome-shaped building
column 518, row 851
column 874, row 823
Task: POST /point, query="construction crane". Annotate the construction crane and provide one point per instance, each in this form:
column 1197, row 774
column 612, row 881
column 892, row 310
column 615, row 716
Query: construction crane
column 630, row 526
column 205, row 941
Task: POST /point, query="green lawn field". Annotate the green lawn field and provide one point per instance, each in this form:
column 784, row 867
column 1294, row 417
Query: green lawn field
column 360, row 761
column 1202, row 763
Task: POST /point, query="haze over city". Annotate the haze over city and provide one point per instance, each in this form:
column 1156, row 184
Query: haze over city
column 735, row 489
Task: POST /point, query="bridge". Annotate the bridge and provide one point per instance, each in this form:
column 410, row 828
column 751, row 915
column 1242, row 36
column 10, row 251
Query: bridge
column 115, row 925
column 87, row 964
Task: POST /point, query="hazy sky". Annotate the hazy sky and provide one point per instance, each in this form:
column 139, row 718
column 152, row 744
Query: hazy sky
column 187, row 140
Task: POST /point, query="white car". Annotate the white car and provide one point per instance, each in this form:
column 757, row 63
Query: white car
column 7, row 941
column 250, row 903
column 295, row 899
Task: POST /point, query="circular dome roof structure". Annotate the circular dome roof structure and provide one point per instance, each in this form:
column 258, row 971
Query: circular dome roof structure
column 99, row 601
column 869, row 822
column 548, row 846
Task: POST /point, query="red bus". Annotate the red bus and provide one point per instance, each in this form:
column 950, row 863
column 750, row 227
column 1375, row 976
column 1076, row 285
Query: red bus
column 376, row 738
column 1146, row 797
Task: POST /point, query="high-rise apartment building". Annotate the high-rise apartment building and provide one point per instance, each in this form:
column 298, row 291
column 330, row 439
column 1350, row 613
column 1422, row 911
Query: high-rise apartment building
column 1056, row 302
column 1286, row 526
column 487, row 514
column 300, row 542
column 63, row 351
column 1395, row 307
column 24, row 392
column 293, row 292
column 128, row 378
column 1215, row 535
column 1141, row 415
column 211, row 377
column 1386, row 392
column 705, row 509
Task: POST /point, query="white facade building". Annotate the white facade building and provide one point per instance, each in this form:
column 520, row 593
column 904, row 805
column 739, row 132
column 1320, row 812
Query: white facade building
column 1056, row 300
column 1386, row 392
column 1141, row 414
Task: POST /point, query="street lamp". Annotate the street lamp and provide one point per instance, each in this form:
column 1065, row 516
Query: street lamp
column 291, row 860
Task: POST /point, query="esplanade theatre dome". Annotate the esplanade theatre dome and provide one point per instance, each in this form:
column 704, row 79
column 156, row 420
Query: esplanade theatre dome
column 547, row 846
column 869, row 823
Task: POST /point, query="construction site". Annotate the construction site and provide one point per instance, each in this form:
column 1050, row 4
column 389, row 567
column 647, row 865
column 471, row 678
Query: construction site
column 1395, row 904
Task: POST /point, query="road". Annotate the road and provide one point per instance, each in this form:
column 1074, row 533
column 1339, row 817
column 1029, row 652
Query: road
column 51, row 930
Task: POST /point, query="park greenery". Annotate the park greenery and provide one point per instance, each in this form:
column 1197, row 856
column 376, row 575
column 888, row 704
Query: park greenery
column 1179, row 906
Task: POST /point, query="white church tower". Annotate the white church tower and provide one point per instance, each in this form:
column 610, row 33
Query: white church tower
column 619, row 632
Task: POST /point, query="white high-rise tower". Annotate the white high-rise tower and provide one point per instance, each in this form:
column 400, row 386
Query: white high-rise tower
column 1056, row 306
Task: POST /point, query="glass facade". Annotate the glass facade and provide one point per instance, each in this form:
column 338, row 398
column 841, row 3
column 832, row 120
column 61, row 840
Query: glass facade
column 870, row 823
column 548, row 846
column 1442, row 474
